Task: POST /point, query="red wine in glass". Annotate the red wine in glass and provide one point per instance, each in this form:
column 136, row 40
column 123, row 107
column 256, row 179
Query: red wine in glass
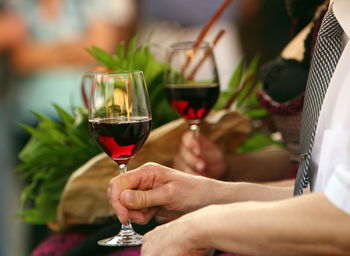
column 192, row 81
column 120, row 139
column 120, row 122
column 192, row 103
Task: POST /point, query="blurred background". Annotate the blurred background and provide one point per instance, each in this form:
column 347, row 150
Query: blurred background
column 43, row 57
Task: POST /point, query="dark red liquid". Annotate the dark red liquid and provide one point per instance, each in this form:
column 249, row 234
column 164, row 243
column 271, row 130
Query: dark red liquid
column 192, row 102
column 121, row 140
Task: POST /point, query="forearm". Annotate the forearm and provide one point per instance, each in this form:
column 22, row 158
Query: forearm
column 258, row 166
column 230, row 192
column 309, row 225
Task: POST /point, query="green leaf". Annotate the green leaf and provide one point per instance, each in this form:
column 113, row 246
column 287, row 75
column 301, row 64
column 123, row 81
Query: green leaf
column 66, row 118
column 256, row 141
column 131, row 52
column 33, row 216
column 101, row 56
column 121, row 53
column 253, row 65
column 223, row 99
column 236, row 78
column 44, row 137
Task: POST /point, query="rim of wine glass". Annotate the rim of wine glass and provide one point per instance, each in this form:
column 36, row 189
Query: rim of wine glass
column 188, row 45
column 116, row 72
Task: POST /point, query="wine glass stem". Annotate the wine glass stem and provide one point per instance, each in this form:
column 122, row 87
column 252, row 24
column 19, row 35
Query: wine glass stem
column 195, row 130
column 123, row 169
column 125, row 227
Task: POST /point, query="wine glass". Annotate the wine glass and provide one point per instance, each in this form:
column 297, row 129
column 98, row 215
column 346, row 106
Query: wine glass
column 120, row 122
column 192, row 81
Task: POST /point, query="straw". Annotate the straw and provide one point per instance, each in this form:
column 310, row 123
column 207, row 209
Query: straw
column 206, row 54
column 205, row 31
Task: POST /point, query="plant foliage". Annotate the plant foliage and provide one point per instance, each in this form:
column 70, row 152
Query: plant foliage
column 240, row 93
column 135, row 57
column 55, row 150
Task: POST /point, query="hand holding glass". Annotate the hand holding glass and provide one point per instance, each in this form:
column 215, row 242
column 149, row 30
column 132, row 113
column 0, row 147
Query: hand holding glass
column 120, row 122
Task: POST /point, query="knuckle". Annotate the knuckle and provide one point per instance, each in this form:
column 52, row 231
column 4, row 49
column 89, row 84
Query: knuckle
column 154, row 168
column 168, row 190
column 150, row 165
column 114, row 182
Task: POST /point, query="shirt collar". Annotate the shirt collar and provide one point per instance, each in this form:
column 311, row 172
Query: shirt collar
column 341, row 9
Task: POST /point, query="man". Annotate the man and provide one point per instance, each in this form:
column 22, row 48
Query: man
column 275, row 223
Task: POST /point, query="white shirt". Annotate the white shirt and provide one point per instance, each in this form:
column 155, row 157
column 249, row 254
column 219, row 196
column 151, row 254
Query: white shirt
column 331, row 149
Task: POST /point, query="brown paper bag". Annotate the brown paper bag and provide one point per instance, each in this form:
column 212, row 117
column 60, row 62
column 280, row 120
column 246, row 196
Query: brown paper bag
column 84, row 197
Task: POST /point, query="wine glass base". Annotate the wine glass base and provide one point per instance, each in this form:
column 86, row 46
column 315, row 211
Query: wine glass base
column 129, row 238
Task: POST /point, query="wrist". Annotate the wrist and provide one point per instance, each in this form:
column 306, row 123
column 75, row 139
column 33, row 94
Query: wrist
column 218, row 192
column 223, row 192
column 194, row 231
column 213, row 192
column 203, row 228
column 198, row 231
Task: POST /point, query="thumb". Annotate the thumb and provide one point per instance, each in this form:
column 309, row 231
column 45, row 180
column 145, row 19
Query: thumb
column 139, row 199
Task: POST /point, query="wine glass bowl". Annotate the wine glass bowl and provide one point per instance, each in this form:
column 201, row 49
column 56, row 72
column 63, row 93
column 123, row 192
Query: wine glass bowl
column 120, row 122
column 192, row 82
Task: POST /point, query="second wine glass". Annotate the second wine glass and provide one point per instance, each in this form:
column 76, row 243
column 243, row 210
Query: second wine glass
column 120, row 122
column 192, row 81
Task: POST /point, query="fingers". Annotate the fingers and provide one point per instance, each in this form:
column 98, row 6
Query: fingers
column 113, row 194
column 143, row 216
column 212, row 153
column 198, row 153
column 136, row 179
column 200, row 156
column 169, row 215
column 191, row 143
column 190, row 160
column 181, row 165
column 190, row 154
column 140, row 199
column 135, row 194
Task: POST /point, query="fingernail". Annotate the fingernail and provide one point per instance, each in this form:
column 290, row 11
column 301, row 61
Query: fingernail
column 128, row 198
column 199, row 166
column 120, row 220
